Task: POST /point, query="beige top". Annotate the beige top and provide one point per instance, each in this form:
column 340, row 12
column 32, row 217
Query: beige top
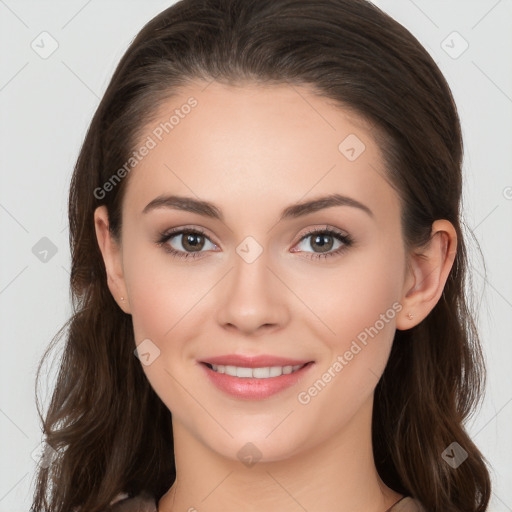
column 145, row 503
column 406, row 504
column 140, row 503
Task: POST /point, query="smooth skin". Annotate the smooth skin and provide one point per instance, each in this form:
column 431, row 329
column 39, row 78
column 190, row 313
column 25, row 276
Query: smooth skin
column 254, row 150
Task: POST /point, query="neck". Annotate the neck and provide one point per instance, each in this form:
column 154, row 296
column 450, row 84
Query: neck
column 338, row 475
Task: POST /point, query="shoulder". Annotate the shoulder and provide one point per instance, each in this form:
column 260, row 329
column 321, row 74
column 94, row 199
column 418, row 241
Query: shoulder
column 407, row 504
column 143, row 502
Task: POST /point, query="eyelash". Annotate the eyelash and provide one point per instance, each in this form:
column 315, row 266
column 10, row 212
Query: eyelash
column 167, row 235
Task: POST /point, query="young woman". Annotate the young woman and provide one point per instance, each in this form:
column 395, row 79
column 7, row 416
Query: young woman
column 268, row 274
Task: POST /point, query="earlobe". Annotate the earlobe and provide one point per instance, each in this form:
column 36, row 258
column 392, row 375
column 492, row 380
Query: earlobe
column 428, row 272
column 112, row 258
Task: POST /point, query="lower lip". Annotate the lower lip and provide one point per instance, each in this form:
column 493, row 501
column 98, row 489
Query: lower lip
column 254, row 389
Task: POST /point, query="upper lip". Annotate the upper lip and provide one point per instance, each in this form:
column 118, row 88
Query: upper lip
column 261, row 361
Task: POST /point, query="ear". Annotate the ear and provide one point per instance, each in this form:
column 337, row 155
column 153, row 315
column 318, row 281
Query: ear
column 427, row 274
column 112, row 257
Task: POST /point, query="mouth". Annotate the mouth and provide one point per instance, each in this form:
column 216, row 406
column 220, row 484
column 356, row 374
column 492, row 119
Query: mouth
column 264, row 372
column 255, row 382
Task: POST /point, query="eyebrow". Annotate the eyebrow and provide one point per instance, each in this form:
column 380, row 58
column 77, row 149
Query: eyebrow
column 208, row 209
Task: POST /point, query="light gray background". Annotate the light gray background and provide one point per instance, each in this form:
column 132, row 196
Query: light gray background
column 46, row 106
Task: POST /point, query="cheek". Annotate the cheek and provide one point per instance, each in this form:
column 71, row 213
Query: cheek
column 156, row 296
column 359, row 304
column 360, row 292
column 372, row 311
column 162, row 300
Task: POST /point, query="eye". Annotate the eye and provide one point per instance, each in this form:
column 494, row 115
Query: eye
column 323, row 241
column 188, row 242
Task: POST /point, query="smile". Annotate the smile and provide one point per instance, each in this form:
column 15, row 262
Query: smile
column 256, row 383
column 255, row 373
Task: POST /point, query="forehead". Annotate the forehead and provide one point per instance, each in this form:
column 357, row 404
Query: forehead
column 255, row 145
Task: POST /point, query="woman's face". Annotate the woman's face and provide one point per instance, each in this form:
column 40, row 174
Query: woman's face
column 255, row 281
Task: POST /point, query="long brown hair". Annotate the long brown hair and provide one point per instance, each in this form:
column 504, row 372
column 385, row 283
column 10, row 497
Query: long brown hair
column 110, row 430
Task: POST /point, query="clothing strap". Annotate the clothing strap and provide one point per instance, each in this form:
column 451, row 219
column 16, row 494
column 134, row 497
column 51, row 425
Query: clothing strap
column 391, row 508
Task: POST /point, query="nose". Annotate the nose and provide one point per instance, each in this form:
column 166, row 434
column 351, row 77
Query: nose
column 252, row 298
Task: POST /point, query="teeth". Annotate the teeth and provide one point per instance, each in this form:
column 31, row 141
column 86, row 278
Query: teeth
column 256, row 373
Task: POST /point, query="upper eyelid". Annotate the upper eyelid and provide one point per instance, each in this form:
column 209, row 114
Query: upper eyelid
column 324, row 229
